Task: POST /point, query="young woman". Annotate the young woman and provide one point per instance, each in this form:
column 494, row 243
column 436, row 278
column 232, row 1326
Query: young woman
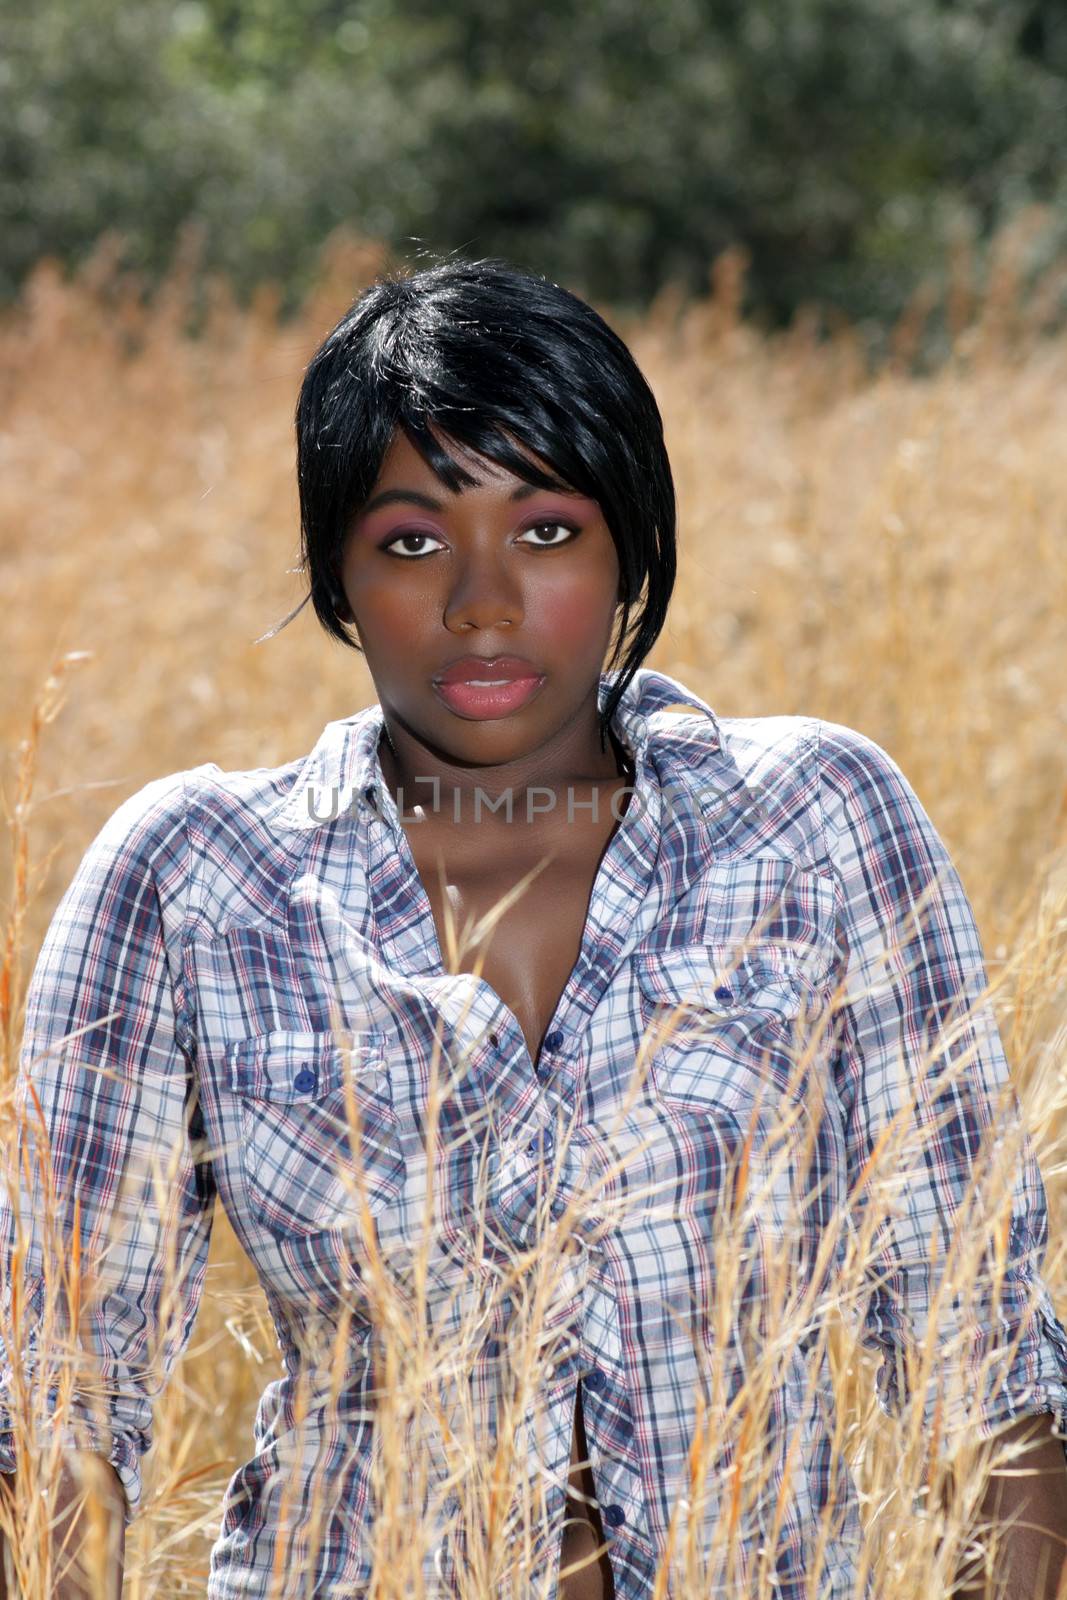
column 487, row 511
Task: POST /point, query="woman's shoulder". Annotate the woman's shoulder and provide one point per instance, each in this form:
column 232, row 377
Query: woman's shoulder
column 269, row 794
column 217, row 807
column 777, row 747
column 764, row 747
column 204, row 791
column 209, row 838
column 785, row 783
column 831, row 793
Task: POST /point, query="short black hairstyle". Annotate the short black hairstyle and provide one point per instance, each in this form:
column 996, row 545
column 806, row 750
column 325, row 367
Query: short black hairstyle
column 497, row 358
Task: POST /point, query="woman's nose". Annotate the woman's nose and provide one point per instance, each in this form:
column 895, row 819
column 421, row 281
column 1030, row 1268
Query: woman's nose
column 484, row 596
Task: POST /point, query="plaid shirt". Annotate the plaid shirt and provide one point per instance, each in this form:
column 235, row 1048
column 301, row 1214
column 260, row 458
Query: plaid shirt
column 251, row 955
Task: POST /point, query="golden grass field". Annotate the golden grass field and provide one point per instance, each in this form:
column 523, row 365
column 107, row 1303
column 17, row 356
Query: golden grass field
column 884, row 550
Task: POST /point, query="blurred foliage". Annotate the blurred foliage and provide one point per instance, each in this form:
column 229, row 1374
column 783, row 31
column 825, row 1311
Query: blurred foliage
column 617, row 145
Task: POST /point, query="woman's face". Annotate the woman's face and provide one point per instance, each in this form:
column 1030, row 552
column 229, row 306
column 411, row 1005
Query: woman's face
column 498, row 568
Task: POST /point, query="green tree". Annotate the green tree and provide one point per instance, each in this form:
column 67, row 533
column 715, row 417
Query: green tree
column 615, row 145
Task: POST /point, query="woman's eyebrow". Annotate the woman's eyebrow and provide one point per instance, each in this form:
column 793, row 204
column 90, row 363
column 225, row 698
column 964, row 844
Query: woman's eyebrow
column 416, row 497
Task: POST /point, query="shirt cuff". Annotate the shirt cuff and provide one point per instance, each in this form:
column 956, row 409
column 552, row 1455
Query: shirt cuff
column 78, row 1433
column 986, row 1375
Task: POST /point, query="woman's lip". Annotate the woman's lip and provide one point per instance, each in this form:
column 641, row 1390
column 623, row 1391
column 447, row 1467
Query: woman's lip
column 484, row 702
column 468, row 668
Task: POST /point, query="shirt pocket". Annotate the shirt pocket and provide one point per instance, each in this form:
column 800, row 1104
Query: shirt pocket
column 723, row 1028
column 303, row 1163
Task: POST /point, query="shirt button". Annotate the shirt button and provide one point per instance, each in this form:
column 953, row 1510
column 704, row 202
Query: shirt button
column 614, row 1516
column 553, row 1040
column 304, row 1081
column 595, row 1380
column 494, row 1040
column 723, row 993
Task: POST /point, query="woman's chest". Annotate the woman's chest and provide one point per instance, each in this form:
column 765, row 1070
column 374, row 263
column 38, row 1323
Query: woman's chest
column 337, row 1049
column 513, row 911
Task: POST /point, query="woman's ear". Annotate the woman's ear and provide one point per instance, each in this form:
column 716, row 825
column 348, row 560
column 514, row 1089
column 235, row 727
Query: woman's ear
column 341, row 608
column 343, row 612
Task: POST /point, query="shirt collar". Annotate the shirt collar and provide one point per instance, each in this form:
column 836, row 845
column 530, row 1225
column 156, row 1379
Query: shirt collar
column 343, row 775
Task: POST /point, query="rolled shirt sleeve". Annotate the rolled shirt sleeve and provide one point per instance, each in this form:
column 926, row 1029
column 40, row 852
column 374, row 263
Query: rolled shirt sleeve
column 110, row 1173
column 934, row 1137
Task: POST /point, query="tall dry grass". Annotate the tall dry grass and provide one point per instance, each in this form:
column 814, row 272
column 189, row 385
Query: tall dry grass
column 887, row 550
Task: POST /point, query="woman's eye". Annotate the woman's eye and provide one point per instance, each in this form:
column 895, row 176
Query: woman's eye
column 394, row 543
column 398, row 540
column 552, row 527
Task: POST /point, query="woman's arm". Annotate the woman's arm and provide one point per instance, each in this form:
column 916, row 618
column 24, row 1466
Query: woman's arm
column 935, row 1141
column 109, row 1166
column 1032, row 1552
column 102, row 1559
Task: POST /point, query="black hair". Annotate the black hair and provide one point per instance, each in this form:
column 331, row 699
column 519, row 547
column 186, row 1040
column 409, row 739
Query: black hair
column 497, row 358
